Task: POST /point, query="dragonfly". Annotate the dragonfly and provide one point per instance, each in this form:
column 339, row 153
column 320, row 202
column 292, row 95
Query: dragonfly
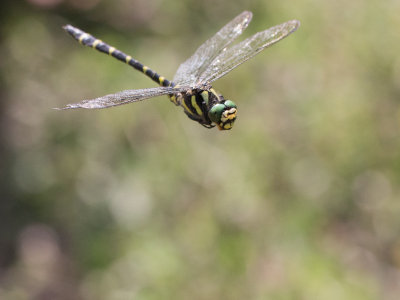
column 191, row 86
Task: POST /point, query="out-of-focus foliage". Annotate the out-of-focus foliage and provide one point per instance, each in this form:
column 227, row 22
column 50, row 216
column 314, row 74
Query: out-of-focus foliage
column 301, row 200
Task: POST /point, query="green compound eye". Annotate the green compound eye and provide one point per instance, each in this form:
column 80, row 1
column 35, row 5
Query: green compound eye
column 230, row 104
column 216, row 112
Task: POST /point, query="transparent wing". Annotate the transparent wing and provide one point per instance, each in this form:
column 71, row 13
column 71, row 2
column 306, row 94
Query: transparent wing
column 238, row 54
column 189, row 71
column 124, row 97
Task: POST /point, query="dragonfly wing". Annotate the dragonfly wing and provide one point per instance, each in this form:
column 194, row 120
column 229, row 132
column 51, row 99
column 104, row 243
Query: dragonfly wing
column 189, row 71
column 238, row 54
column 124, row 97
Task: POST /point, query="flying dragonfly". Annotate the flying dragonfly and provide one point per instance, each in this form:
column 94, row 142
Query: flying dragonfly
column 191, row 86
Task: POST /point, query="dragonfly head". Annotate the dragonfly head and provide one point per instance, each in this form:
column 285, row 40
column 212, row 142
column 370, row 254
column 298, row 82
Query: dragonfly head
column 223, row 114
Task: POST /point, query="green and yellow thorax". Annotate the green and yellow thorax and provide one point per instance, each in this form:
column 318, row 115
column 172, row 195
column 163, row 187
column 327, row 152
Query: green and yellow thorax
column 207, row 107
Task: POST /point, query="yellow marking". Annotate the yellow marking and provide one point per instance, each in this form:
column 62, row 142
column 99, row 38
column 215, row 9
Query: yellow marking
column 95, row 43
column 224, row 116
column 205, row 96
column 161, row 79
column 231, row 114
column 82, row 37
column 145, row 69
column 111, row 50
column 215, row 93
column 196, row 107
column 228, row 126
column 128, row 59
column 232, row 110
column 228, row 115
column 185, row 106
column 173, row 99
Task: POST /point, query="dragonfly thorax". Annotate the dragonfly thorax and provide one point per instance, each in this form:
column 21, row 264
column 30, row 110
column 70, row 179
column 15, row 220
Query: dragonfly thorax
column 207, row 106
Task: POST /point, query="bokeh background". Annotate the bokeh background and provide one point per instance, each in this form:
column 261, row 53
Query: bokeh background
column 301, row 200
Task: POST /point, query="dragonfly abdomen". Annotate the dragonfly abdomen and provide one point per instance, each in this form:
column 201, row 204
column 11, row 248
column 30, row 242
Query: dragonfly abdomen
column 88, row 40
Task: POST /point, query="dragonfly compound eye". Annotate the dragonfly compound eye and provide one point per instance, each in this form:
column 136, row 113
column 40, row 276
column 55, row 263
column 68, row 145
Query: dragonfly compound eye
column 224, row 115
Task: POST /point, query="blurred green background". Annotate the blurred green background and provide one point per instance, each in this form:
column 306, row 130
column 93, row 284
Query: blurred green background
column 300, row 200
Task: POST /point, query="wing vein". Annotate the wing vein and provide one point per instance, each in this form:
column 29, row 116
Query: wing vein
column 229, row 59
column 124, row 97
column 189, row 71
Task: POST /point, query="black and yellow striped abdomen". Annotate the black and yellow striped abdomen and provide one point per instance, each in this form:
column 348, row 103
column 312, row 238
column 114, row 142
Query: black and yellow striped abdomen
column 90, row 41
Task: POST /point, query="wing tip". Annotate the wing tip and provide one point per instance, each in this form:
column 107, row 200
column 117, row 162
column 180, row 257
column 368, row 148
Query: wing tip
column 247, row 12
column 295, row 25
column 248, row 16
column 66, row 107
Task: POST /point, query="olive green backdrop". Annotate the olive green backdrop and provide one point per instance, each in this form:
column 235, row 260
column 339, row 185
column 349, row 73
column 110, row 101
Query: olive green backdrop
column 300, row 200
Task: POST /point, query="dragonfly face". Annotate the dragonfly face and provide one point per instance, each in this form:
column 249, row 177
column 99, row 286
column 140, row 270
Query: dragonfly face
column 223, row 114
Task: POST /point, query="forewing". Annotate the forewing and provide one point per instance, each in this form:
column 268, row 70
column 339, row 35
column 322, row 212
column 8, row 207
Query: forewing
column 124, row 97
column 238, row 54
column 189, row 71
